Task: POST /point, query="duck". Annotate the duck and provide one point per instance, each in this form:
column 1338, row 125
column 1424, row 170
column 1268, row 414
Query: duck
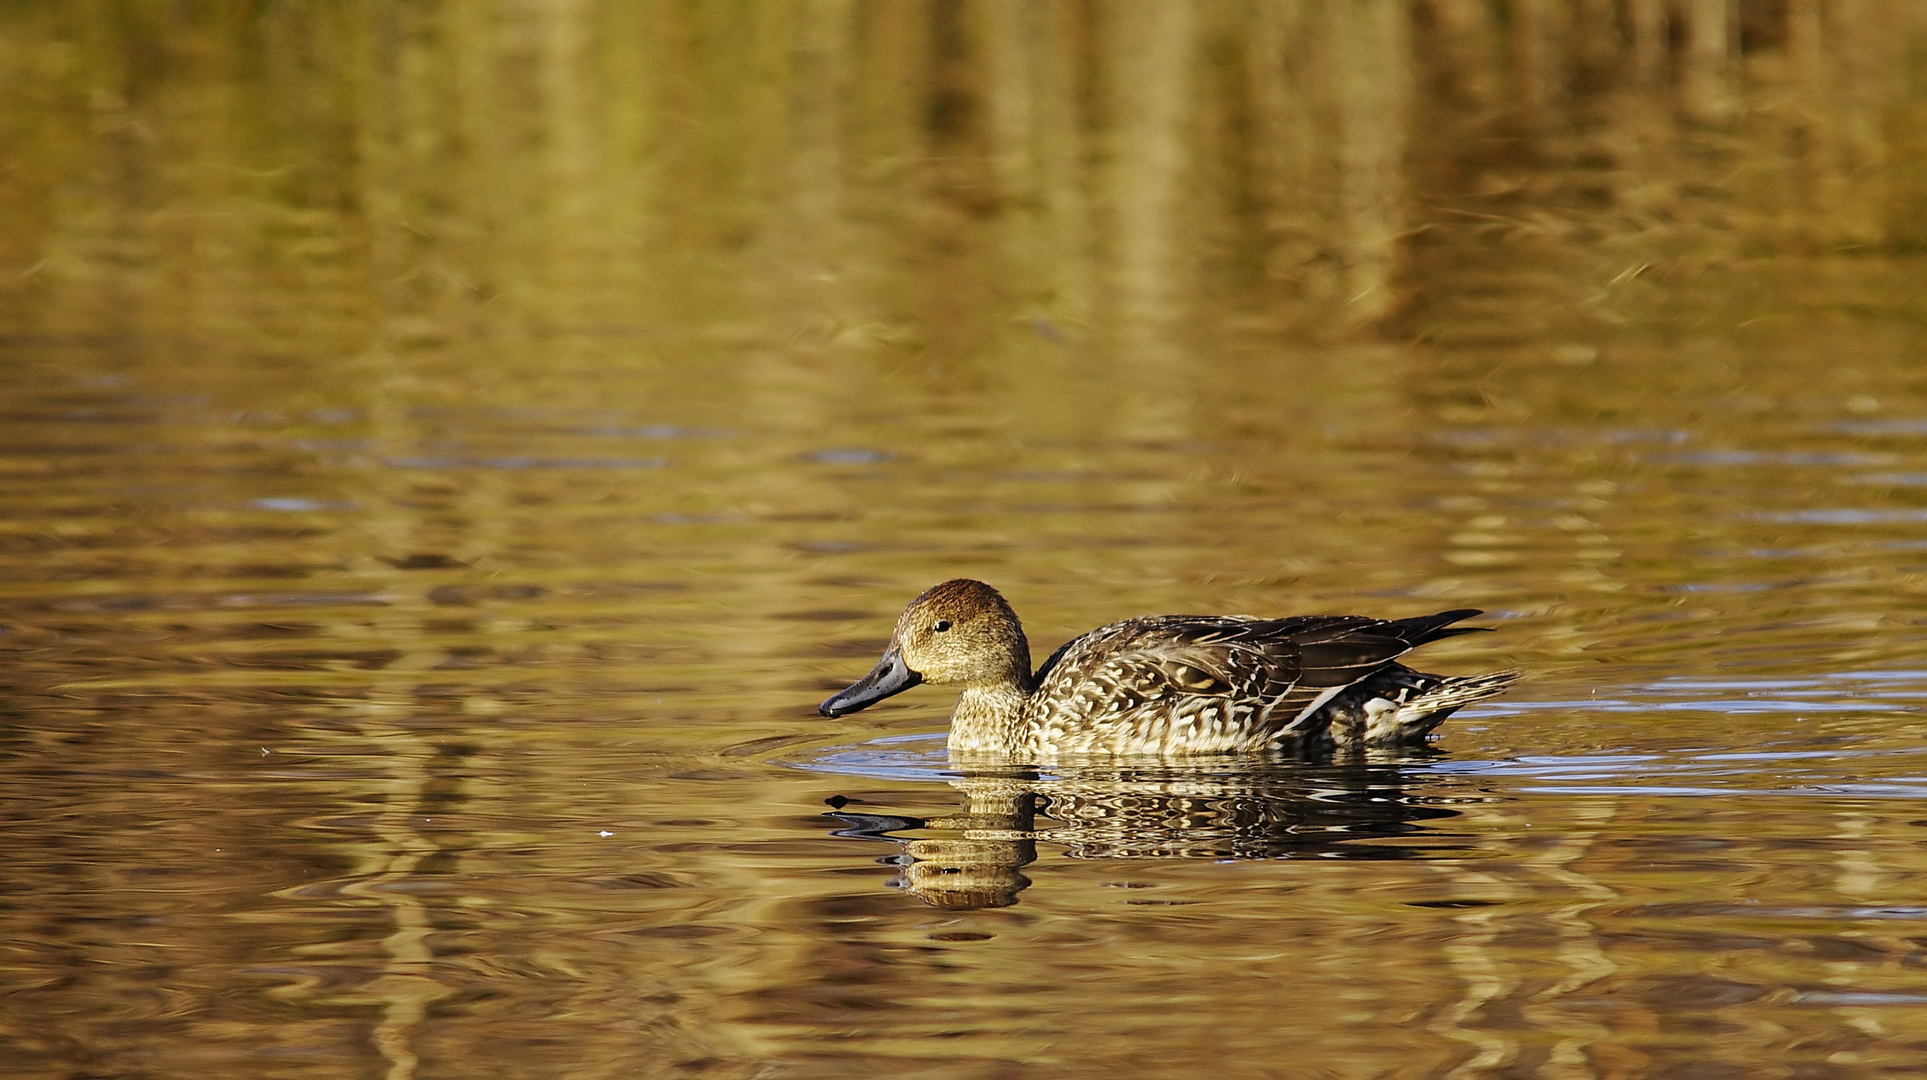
column 1170, row 685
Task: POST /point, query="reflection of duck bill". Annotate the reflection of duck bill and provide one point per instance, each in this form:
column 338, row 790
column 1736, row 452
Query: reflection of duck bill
column 890, row 676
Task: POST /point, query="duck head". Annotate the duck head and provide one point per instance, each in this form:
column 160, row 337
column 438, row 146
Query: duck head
column 959, row 633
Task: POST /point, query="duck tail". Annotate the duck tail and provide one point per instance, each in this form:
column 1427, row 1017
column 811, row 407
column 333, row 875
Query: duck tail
column 1424, row 629
column 1404, row 708
column 1412, row 720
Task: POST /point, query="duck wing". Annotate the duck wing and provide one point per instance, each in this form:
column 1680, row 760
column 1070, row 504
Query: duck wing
column 1202, row 683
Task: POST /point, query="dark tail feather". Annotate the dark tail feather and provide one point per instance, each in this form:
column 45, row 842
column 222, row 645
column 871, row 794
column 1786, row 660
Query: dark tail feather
column 1361, row 650
column 1421, row 629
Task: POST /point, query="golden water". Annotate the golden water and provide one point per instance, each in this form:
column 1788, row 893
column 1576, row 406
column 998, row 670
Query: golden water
column 449, row 450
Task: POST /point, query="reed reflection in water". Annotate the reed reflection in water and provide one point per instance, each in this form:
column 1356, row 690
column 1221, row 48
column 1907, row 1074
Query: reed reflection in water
column 426, row 174
column 449, row 449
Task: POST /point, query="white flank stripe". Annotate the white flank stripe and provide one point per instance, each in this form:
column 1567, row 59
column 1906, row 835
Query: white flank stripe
column 1316, row 704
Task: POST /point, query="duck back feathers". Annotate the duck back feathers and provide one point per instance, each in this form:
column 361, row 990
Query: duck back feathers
column 1186, row 684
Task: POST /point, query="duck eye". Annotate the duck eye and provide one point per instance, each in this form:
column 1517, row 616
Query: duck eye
column 941, row 625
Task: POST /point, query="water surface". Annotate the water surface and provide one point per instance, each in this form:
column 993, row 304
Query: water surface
column 448, row 454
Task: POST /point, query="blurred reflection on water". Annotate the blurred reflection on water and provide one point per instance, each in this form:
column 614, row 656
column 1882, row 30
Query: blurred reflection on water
column 449, row 449
column 589, row 179
column 1244, row 809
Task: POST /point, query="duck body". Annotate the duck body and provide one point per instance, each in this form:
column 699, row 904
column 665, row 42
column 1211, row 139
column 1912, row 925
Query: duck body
column 1170, row 685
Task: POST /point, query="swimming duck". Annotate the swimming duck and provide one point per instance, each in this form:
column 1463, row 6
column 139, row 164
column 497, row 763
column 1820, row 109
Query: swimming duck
column 1170, row 684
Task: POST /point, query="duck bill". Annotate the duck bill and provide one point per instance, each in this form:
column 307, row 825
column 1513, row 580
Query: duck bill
column 890, row 676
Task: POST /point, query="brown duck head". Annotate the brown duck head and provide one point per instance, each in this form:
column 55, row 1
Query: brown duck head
column 959, row 633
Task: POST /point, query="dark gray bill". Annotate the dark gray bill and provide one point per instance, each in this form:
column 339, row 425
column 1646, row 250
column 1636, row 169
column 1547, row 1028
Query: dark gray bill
column 890, row 676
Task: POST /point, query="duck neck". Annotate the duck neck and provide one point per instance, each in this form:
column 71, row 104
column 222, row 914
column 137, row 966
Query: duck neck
column 991, row 717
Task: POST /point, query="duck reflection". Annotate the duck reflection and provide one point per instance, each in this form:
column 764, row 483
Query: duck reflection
column 1246, row 810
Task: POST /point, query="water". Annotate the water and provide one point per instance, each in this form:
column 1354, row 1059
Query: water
column 447, row 455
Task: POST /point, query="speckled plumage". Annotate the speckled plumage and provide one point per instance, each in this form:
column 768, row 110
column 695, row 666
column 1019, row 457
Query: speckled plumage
column 1170, row 684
